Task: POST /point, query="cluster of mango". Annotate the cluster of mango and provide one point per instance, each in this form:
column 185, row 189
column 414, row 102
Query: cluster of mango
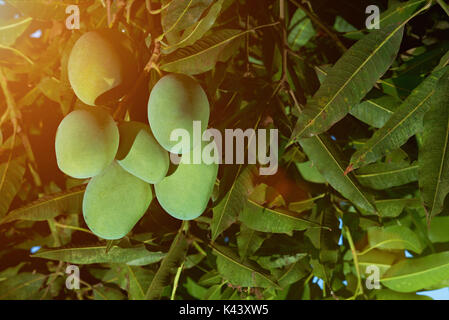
column 124, row 160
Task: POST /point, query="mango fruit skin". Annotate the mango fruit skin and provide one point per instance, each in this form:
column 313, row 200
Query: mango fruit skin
column 98, row 65
column 175, row 102
column 114, row 202
column 140, row 154
column 186, row 193
column 86, row 143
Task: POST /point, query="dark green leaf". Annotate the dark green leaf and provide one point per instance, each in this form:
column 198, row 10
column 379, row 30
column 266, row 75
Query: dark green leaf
column 238, row 273
column 352, row 77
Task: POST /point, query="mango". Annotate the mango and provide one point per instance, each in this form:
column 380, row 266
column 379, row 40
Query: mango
column 186, row 193
column 140, row 154
column 100, row 67
column 114, row 202
column 86, row 143
column 175, row 102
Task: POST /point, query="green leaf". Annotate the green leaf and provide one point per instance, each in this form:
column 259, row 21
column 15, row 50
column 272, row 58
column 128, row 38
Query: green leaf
column 137, row 281
column 49, row 206
column 291, row 273
column 11, row 272
column 248, row 241
column 277, row 220
column 411, row 73
column 214, row 292
column 11, row 174
column 11, row 31
column 326, row 240
column 181, row 14
column 310, row 172
column 434, row 152
column 444, row 61
column 385, row 294
column 23, row 286
column 210, row 278
column 97, row 254
column 102, row 292
column 393, row 238
column 351, row 78
column 304, row 205
column 300, row 30
column 376, row 111
column 404, row 123
column 328, row 160
column 415, row 274
column 438, row 231
column 228, row 209
column 245, row 274
column 194, row 289
column 277, row 261
column 396, row 14
column 204, row 54
column 10, row 56
column 341, row 25
column 392, row 208
column 51, row 88
column 174, row 258
column 381, row 176
column 375, row 257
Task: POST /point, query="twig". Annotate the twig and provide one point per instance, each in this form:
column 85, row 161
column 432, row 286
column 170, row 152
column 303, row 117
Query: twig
column 247, row 45
column 148, row 5
column 347, row 233
column 52, row 280
column 152, row 63
column 176, row 281
column 356, row 262
column 108, row 11
column 284, row 39
column 155, row 11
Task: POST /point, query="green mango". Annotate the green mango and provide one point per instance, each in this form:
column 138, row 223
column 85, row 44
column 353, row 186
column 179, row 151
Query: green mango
column 114, row 202
column 140, row 154
column 186, row 193
column 175, row 102
column 86, row 143
column 100, row 67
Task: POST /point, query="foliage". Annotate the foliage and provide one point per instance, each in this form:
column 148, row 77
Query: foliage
column 363, row 151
